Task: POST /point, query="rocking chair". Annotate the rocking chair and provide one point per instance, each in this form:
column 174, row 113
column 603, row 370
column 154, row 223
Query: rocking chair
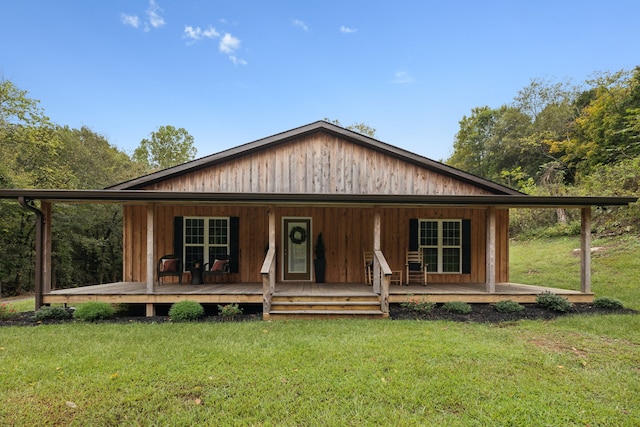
column 416, row 268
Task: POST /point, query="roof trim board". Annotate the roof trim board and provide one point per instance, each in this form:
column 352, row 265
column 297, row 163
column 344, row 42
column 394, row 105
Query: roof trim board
column 147, row 196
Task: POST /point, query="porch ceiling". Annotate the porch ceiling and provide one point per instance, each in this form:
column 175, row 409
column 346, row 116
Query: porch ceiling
column 170, row 197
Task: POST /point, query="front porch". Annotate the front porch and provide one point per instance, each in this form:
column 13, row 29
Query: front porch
column 322, row 300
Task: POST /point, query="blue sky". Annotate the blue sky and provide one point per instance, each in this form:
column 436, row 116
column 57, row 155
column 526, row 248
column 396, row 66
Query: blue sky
column 235, row 71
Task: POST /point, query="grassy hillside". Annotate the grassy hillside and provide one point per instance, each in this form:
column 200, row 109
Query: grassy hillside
column 553, row 262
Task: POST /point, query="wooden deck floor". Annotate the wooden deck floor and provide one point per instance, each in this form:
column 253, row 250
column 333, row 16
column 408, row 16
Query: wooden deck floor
column 135, row 293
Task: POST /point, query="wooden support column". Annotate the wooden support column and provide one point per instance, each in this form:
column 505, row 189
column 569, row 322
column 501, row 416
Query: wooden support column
column 585, row 251
column 151, row 256
column 490, row 270
column 45, row 207
column 376, row 247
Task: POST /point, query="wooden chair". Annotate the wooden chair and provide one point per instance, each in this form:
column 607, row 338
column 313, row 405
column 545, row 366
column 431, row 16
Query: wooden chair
column 367, row 257
column 169, row 265
column 219, row 269
column 416, row 268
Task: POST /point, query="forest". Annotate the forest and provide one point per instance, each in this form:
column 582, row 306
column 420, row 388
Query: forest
column 554, row 138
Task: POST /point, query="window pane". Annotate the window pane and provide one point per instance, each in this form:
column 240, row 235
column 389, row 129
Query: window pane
column 451, row 233
column 451, row 260
column 194, row 231
column 193, row 254
column 431, row 259
column 218, row 231
column 429, row 233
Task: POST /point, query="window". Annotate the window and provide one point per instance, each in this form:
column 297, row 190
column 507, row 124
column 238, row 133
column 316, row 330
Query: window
column 205, row 239
column 441, row 244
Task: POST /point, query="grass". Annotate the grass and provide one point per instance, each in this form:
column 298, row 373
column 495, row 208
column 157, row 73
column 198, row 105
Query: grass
column 551, row 262
column 322, row 373
column 573, row 371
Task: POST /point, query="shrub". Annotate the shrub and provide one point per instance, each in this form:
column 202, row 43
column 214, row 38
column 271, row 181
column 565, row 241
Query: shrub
column 608, row 303
column 186, row 311
column 508, row 306
column 94, row 310
column 458, row 307
column 229, row 310
column 51, row 313
column 419, row 305
column 553, row 302
column 7, row 311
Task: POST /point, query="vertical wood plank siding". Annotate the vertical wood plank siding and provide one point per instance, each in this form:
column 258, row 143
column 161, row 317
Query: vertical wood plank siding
column 318, row 163
column 347, row 232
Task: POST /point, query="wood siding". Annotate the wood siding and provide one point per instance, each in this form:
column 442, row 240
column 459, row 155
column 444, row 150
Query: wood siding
column 320, row 164
column 347, row 231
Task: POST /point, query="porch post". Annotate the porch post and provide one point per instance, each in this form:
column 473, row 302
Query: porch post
column 151, row 257
column 376, row 247
column 490, row 255
column 268, row 270
column 45, row 207
column 585, row 251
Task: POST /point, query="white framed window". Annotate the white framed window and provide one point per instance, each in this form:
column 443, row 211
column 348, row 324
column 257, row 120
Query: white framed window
column 440, row 241
column 205, row 239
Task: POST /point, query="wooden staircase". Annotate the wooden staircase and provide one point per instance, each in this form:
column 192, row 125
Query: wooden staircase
column 325, row 307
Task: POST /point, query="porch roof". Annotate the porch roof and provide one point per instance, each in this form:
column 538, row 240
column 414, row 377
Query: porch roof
column 171, row 197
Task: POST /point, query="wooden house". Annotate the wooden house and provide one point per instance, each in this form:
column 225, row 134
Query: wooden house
column 264, row 204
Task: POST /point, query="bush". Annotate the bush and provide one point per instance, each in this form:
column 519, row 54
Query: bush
column 51, row 313
column 94, row 310
column 419, row 305
column 508, row 306
column 553, row 302
column 229, row 310
column 7, row 311
column 458, row 307
column 186, row 311
column 608, row 303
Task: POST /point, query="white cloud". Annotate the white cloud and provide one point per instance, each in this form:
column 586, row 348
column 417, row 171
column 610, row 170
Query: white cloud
column 300, row 24
column 237, row 61
column 229, row 44
column 153, row 14
column 131, row 20
column 154, row 19
column 347, row 30
column 197, row 33
column 402, row 77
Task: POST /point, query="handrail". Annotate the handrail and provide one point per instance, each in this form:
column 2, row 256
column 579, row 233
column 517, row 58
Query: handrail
column 268, row 272
column 382, row 280
column 268, row 260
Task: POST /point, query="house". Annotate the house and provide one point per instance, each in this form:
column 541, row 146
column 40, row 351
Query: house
column 264, row 204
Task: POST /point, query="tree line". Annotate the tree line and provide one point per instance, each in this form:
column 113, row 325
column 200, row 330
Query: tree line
column 556, row 138
column 36, row 153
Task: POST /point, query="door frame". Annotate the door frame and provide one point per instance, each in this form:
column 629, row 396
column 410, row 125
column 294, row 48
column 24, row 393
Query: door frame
column 292, row 277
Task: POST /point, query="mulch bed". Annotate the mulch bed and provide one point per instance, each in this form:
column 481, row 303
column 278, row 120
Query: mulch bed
column 482, row 313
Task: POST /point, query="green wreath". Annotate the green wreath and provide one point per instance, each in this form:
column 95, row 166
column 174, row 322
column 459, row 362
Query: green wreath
column 298, row 235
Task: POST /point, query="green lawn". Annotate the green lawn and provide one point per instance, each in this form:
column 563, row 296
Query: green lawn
column 615, row 268
column 573, row 371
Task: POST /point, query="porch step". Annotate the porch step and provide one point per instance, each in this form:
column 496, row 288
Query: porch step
column 324, row 314
column 324, row 307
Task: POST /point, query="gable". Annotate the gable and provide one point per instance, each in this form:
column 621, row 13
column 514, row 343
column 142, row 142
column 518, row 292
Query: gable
column 317, row 159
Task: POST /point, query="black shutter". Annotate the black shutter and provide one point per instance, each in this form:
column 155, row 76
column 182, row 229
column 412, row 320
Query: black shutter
column 413, row 234
column 178, row 237
column 466, row 246
column 234, row 244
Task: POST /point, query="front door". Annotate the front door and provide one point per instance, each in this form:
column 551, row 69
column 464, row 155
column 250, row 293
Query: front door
column 297, row 249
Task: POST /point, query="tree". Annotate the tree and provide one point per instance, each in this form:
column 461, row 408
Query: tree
column 167, row 147
column 361, row 127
